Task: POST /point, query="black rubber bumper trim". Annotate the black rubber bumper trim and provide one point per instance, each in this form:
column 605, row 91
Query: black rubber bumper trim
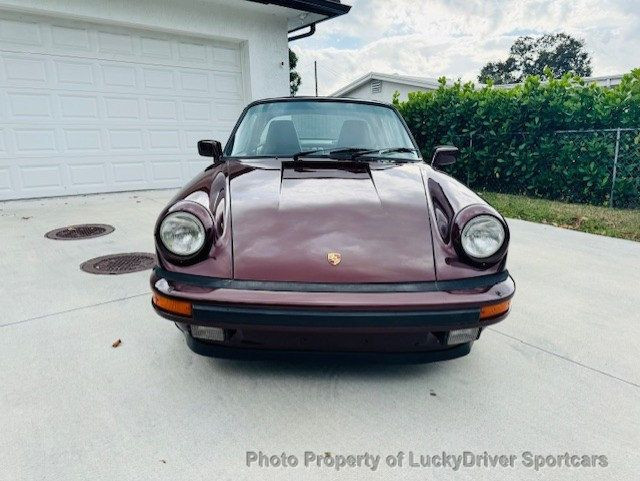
column 221, row 315
column 428, row 286
column 227, row 352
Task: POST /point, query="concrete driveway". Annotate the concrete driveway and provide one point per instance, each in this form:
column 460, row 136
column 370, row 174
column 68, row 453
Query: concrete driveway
column 560, row 375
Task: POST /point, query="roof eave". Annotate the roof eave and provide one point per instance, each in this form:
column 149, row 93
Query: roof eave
column 384, row 77
column 353, row 85
column 326, row 8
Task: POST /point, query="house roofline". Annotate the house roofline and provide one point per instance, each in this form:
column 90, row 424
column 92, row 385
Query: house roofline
column 399, row 79
column 617, row 76
column 327, row 8
column 598, row 78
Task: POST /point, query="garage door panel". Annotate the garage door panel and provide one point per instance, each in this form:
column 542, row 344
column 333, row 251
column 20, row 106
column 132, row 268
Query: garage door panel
column 72, row 73
column 119, row 75
column 159, row 79
column 161, row 109
column 41, row 176
column 111, row 42
column 65, row 74
column 126, row 173
column 93, row 108
column 191, row 137
column 227, row 112
column 27, row 105
column 126, row 139
column 69, row 39
column 118, row 108
column 78, row 139
column 228, row 85
column 20, row 32
column 78, row 107
column 228, row 56
column 164, row 140
column 193, row 167
column 88, row 174
column 155, row 48
column 30, row 109
column 169, row 171
column 194, row 82
column 192, row 52
column 81, row 140
column 6, row 183
column 25, row 69
column 30, row 140
column 196, row 110
column 65, row 37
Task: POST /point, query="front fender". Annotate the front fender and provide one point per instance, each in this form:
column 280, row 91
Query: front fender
column 446, row 199
column 210, row 189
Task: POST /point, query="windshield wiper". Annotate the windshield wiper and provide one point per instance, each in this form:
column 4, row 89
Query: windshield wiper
column 304, row 153
column 391, row 150
column 356, row 153
column 351, row 153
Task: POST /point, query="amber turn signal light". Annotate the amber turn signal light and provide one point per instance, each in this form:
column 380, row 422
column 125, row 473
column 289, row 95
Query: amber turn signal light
column 493, row 310
column 173, row 306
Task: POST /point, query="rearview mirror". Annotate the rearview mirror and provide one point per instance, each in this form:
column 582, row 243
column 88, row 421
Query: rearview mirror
column 444, row 155
column 210, row 148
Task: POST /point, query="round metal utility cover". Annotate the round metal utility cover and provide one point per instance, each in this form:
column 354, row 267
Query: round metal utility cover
column 80, row 231
column 119, row 263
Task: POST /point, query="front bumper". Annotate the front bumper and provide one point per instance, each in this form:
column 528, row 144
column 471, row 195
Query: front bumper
column 407, row 322
column 254, row 354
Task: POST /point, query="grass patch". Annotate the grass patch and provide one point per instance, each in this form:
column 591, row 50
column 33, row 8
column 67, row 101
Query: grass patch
column 622, row 223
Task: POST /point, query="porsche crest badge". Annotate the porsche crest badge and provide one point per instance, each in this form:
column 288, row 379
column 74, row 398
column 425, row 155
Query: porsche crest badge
column 334, row 258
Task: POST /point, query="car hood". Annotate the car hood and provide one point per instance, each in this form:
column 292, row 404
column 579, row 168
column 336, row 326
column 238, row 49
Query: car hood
column 289, row 218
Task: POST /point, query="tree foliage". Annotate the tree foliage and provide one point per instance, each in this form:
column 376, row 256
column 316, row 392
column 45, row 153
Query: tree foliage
column 509, row 140
column 294, row 77
column 530, row 56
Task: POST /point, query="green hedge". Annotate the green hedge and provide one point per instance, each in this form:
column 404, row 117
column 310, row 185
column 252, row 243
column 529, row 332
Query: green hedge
column 509, row 139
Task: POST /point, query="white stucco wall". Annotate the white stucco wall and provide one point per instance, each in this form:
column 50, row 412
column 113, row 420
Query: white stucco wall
column 263, row 35
column 386, row 95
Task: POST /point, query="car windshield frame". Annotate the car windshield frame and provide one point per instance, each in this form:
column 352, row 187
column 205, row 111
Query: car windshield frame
column 232, row 137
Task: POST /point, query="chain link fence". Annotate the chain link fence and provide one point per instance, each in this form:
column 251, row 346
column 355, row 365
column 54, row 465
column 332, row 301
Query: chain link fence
column 598, row 166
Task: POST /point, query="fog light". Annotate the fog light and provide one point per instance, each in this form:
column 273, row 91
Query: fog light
column 207, row 333
column 460, row 336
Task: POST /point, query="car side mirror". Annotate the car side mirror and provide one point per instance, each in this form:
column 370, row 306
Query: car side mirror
column 210, row 148
column 444, row 155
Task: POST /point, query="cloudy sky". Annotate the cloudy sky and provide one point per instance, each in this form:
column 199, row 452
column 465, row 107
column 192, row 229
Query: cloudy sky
column 455, row 38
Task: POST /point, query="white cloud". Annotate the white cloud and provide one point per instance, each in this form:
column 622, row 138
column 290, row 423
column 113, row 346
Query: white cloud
column 455, row 38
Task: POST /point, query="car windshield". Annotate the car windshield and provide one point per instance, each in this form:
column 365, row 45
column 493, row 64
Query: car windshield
column 315, row 128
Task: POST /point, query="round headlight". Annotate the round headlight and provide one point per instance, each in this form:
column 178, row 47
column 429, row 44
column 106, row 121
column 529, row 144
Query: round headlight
column 482, row 236
column 182, row 233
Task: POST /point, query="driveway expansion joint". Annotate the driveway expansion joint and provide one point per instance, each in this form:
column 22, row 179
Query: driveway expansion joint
column 564, row 358
column 74, row 309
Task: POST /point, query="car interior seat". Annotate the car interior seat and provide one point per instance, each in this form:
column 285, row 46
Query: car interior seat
column 354, row 133
column 282, row 139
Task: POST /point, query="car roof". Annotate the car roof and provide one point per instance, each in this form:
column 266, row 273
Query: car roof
column 319, row 99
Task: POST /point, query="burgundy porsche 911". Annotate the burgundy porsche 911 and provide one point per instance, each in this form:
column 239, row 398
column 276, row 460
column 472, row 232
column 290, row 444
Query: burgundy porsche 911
column 320, row 231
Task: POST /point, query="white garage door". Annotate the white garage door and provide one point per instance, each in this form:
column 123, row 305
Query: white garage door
column 90, row 108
